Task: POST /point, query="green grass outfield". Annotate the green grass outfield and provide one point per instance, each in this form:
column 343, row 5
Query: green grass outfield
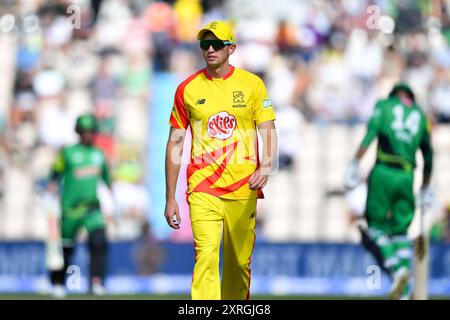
column 15, row 296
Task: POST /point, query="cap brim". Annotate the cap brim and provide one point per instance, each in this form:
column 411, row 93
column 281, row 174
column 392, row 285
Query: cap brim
column 202, row 32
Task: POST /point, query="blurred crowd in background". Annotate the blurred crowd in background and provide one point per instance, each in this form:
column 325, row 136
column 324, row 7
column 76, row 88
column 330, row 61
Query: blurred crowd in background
column 324, row 63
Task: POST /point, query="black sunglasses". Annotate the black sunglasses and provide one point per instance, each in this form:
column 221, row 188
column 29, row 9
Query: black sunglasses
column 216, row 44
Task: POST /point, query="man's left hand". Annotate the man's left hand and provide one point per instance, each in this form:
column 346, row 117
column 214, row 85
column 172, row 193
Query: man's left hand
column 258, row 180
column 351, row 177
column 426, row 197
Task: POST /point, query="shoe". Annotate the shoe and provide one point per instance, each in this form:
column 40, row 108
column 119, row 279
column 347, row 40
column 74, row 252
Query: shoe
column 404, row 297
column 98, row 289
column 401, row 278
column 59, row 291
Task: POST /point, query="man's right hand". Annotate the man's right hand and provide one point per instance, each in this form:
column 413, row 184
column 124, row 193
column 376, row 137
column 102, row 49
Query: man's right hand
column 351, row 178
column 52, row 188
column 172, row 214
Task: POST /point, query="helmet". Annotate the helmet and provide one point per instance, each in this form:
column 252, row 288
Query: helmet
column 86, row 122
column 402, row 87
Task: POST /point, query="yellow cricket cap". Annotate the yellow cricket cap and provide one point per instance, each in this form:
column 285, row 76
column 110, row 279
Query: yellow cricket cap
column 221, row 29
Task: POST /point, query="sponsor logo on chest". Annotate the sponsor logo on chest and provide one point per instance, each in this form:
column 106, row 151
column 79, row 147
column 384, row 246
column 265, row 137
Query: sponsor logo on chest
column 221, row 125
column 238, row 99
column 86, row 172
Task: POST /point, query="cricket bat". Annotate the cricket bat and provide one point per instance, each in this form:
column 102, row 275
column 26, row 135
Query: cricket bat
column 53, row 244
column 421, row 261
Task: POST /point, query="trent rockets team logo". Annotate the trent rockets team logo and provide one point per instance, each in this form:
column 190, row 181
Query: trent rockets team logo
column 221, row 125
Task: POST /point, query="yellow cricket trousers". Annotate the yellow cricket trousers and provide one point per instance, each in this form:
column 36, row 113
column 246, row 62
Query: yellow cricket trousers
column 237, row 217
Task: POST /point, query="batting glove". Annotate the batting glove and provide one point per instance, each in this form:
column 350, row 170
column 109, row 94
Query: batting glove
column 352, row 178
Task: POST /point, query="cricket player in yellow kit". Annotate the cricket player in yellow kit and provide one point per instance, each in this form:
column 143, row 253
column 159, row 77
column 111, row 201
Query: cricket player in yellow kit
column 223, row 106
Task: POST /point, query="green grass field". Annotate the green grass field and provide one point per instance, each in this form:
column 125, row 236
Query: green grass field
column 186, row 297
column 168, row 297
column 25, row 296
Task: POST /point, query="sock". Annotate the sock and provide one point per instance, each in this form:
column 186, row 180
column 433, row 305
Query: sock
column 403, row 252
column 97, row 249
column 58, row 277
column 386, row 247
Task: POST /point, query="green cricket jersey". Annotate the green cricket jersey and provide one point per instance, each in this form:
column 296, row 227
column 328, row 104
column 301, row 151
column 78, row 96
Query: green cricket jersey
column 80, row 168
column 400, row 130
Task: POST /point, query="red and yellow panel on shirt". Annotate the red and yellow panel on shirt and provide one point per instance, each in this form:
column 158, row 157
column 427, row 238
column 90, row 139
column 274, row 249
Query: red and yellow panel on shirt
column 223, row 114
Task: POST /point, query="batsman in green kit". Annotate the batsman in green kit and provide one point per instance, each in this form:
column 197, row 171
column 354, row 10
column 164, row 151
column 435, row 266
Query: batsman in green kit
column 401, row 128
column 79, row 169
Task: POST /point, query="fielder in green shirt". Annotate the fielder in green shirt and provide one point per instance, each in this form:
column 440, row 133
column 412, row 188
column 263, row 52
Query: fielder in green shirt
column 78, row 169
column 401, row 128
